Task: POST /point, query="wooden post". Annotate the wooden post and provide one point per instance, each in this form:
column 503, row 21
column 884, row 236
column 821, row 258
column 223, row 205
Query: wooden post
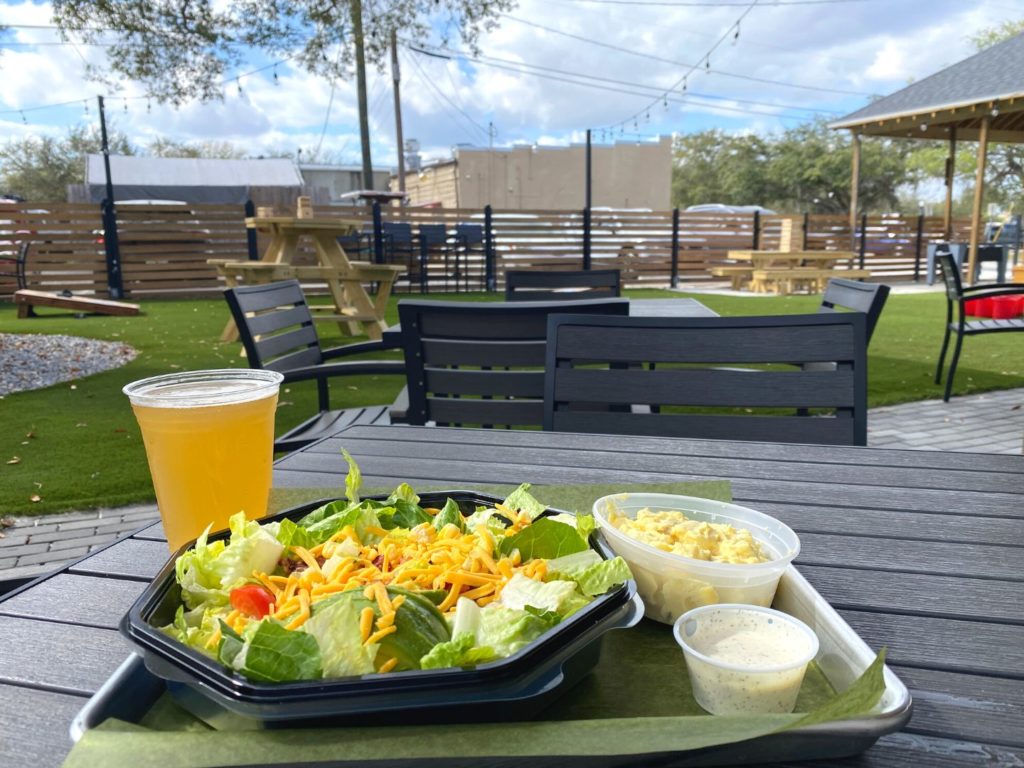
column 399, row 141
column 979, row 195
column 950, row 176
column 854, row 189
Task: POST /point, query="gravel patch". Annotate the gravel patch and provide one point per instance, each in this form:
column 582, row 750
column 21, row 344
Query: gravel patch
column 32, row 361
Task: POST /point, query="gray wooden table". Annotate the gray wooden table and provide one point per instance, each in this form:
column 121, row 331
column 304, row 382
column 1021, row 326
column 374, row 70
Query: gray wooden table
column 919, row 551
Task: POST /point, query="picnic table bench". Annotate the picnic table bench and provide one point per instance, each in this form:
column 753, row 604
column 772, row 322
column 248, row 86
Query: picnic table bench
column 785, row 272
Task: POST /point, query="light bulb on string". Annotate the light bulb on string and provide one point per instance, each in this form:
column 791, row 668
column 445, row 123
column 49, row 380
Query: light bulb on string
column 125, row 106
column 238, row 83
column 23, row 118
column 707, row 65
column 736, row 34
column 149, row 106
column 86, row 104
column 647, row 117
column 664, row 102
column 684, row 85
column 276, row 81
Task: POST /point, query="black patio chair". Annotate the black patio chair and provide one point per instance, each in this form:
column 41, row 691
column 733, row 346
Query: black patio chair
column 869, row 298
column 596, row 368
column 399, row 248
column 481, row 364
column 359, row 245
column 276, row 329
column 470, row 246
column 956, row 295
column 433, row 240
column 543, row 285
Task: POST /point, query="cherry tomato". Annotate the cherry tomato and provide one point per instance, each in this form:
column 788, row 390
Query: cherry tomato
column 252, row 600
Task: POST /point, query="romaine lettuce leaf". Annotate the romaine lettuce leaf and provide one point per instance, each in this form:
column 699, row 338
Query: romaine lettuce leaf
column 467, row 617
column 487, row 517
column 289, row 534
column 559, row 597
column 207, row 572
column 336, row 629
column 274, row 654
column 592, row 575
column 361, row 517
column 404, row 492
column 449, row 515
column 461, row 651
column 404, row 514
column 544, row 538
column 195, row 629
column 507, row 630
column 354, row 478
column 521, row 501
column 585, row 525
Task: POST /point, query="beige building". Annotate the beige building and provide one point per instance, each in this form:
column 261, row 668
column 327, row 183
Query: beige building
column 625, row 175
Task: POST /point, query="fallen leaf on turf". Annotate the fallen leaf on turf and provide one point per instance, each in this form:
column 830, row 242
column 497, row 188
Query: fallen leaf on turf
column 120, row 429
column 14, row 460
column 37, row 484
column 35, row 497
column 81, row 424
column 30, row 435
column 74, row 386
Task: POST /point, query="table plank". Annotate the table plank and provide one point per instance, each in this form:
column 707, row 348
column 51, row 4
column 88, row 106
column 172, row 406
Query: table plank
column 524, row 465
column 972, row 647
column 942, row 596
column 74, row 599
column 971, row 707
column 128, row 559
column 67, row 658
column 909, row 750
column 782, row 452
column 34, row 726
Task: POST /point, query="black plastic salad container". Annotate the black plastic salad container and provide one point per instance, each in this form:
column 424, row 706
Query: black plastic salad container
column 517, row 687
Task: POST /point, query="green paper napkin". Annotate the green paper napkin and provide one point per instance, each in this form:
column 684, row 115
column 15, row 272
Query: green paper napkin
column 637, row 701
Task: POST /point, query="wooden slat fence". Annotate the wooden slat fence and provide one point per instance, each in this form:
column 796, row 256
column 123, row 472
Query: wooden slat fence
column 164, row 249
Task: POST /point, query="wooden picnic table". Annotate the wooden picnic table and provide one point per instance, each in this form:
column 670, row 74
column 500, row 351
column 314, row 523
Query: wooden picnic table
column 782, row 271
column 920, row 551
column 352, row 309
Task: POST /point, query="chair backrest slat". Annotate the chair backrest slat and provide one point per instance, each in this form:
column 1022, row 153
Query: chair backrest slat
column 546, row 285
column 481, row 364
column 950, row 276
column 868, row 298
column 598, row 368
column 275, row 325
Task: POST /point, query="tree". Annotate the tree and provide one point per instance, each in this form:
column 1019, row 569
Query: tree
column 164, row 147
column 989, row 36
column 805, row 168
column 41, row 168
column 183, row 49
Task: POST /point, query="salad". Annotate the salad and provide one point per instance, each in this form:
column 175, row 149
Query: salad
column 364, row 586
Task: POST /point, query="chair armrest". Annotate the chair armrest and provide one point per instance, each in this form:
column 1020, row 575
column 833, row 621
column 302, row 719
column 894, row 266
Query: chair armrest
column 355, row 368
column 991, row 290
column 356, row 348
column 399, row 409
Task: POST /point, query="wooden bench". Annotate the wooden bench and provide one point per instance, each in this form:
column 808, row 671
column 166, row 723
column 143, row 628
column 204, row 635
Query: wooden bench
column 739, row 275
column 786, row 280
column 27, row 299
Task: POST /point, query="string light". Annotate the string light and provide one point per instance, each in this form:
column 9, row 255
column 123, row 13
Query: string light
column 276, row 81
column 736, row 34
column 23, row 118
column 149, row 106
column 126, row 106
column 684, row 85
column 86, row 104
column 707, row 65
column 239, row 84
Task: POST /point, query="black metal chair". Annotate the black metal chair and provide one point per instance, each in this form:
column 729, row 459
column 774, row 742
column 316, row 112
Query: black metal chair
column 470, row 246
column 433, row 240
column 956, row 295
column 543, row 285
column 868, row 298
column 481, row 364
column 276, row 328
column 359, row 245
column 12, row 268
column 595, row 371
column 400, row 249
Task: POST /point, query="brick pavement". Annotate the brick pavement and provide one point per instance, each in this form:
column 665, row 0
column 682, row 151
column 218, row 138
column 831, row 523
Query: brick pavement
column 985, row 423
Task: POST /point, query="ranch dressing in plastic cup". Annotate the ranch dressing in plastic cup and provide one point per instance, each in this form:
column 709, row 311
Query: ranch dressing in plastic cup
column 744, row 659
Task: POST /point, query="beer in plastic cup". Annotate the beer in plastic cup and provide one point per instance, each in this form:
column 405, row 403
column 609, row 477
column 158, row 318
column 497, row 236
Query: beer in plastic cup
column 209, row 438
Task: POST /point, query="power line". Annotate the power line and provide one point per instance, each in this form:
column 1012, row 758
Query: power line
column 430, row 84
column 442, row 94
column 652, row 57
column 490, row 61
column 706, row 58
column 612, row 89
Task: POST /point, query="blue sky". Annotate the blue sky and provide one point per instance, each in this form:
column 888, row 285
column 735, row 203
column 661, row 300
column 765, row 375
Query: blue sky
column 810, row 59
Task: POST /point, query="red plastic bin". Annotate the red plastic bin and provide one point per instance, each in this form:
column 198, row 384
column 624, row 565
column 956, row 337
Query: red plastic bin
column 1006, row 307
column 978, row 307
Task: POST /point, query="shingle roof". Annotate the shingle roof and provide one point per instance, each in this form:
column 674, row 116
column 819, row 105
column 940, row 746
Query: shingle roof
column 994, row 73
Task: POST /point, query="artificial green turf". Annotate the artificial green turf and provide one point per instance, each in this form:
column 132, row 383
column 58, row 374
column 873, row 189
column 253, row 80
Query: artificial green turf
column 79, row 447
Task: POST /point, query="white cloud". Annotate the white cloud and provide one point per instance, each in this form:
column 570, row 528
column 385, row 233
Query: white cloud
column 867, row 47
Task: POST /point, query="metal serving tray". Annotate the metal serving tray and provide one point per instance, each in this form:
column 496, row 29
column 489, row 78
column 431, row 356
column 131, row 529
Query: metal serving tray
column 842, row 657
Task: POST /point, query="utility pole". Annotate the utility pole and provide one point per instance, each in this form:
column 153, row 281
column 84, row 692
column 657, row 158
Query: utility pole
column 356, row 7
column 396, row 78
column 106, row 151
column 588, row 176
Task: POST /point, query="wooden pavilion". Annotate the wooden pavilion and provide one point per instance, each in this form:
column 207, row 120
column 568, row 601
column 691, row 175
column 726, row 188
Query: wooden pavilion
column 978, row 99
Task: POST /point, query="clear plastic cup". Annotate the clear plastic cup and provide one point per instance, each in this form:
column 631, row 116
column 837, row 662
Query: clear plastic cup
column 745, row 659
column 209, row 439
